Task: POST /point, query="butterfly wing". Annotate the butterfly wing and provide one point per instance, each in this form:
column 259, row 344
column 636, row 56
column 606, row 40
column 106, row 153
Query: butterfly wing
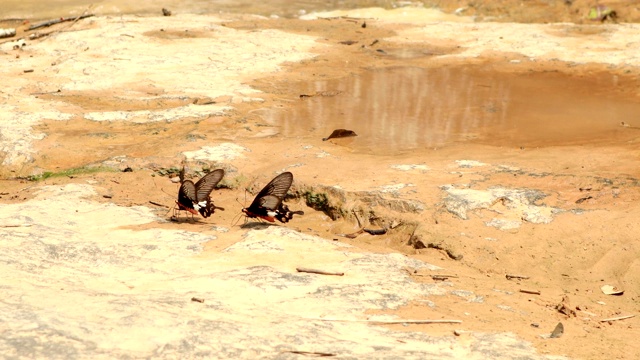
column 277, row 188
column 187, row 196
column 205, row 186
column 270, row 202
column 203, row 203
column 270, row 197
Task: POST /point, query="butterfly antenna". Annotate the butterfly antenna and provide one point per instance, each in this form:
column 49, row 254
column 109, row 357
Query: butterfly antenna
column 158, row 187
column 235, row 219
column 170, row 209
column 161, row 189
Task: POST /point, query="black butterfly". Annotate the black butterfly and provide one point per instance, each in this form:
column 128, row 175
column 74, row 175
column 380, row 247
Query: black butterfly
column 195, row 198
column 268, row 203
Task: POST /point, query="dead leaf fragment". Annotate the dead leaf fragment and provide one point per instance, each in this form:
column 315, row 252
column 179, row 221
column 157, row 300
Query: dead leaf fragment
column 340, row 133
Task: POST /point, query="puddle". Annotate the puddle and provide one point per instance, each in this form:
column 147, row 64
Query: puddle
column 400, row 109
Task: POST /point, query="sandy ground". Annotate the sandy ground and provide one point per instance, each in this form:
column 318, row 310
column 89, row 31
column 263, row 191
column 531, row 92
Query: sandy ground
column 152, row 93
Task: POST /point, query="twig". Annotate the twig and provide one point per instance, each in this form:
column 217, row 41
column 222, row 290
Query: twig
column 510, row 277
column 534, row 292
column 352, row 235
column 441, row 277
column 310, row 353
column 617, row 318
column 433, row 276
column 57, row 21
column 14, row 225
column 352, row 19
column 75, row 20
column 357, row 218
column 200, row 300
column 46, row 93
column 158, row 204
column 393, row 322
column 321, row 272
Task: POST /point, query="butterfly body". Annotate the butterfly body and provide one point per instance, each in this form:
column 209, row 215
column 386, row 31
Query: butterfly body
column 195, row 198
column 268, row 203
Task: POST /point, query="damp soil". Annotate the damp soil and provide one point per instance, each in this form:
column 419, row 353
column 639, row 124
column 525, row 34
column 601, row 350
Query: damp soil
column 494, row 113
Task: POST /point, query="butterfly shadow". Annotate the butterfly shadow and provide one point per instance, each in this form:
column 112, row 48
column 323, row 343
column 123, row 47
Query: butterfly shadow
column 256, row 225
column 188, row 219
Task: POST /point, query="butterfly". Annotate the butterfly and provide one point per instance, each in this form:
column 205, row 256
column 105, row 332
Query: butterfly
column 268, row 203
column 195, row 198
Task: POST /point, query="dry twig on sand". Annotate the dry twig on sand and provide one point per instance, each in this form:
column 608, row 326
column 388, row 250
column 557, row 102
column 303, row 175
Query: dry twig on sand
column 357, row 219
column 395, row 322
column 321, row 272
column 157, row 204
column 526, row 291
column 375, row 231
column 309, row 353
column 414, row 272
column 352, row 235
column 57, row 21
column 518, row 277
column 616, row 318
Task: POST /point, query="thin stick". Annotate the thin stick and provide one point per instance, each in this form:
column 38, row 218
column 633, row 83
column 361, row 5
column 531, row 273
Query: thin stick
column 534, row 292
column 352, row 235
column 57, row 21
column 158, row 204
column 414, row 273
column 441, row 277
column 393, row 322
column 617, row 318
column 311, row 353
column 375, row 231
column 510, row 276
column 14, row 225
column 321, row 272
column 37, row 35
column 357, row 218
